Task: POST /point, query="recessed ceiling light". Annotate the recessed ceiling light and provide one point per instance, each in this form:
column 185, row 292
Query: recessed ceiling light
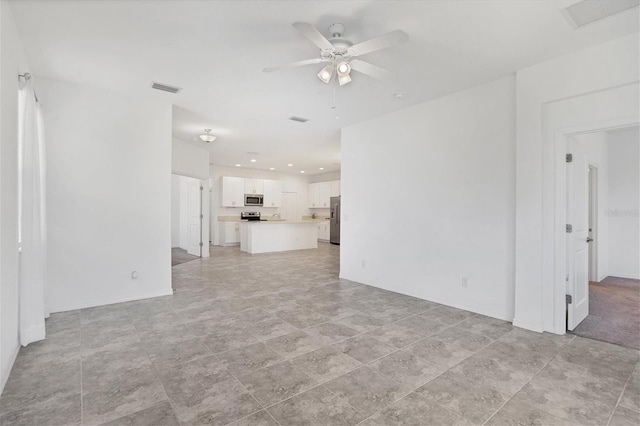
column 253, row 160
column 237, row 165
column 301, row 171
column 321, row 168
column 290, row 165
column 272, row 168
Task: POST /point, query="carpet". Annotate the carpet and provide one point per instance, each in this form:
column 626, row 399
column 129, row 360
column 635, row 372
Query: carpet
column 614, row 312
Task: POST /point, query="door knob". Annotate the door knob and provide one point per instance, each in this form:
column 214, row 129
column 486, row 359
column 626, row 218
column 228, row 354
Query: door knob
column 589, row 240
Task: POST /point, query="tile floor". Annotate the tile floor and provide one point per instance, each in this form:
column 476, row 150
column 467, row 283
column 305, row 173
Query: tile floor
column 278, row 339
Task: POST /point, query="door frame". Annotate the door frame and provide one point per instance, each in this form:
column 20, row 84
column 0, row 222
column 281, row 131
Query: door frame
column 560, row 212
column 593, row 221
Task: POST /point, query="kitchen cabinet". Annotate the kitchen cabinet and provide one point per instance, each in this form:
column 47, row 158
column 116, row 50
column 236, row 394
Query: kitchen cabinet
column 272, row 193
column 314, row 191
column 321, row 192
column 335, row 188
column 229, row 233
column 254, row 186
column 323, row 230
column 232, row 191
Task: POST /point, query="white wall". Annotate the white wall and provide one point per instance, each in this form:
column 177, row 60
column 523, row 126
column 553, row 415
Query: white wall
column 290, row 183
column 188, row 160
column 570, row 77
column 109, row 195
column 596, row 146
column 12, row 63
column 624, row 204
column 450, row 162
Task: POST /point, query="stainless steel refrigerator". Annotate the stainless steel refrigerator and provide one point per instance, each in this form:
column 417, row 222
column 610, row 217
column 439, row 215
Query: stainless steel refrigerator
column 334, row 236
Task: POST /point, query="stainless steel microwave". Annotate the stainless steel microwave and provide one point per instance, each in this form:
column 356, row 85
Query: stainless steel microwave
column 253, row 200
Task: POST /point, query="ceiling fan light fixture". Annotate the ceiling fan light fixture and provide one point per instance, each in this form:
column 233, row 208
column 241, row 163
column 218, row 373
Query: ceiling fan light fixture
column 344, row 79
column 207, row 136
column 343, row 68
column 326, row 74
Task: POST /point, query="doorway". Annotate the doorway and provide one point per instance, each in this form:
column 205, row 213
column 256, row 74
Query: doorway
column 187, row 219
column 603, row 243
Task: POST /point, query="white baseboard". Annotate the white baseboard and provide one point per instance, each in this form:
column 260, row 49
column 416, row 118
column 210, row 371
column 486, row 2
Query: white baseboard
column 455, row 304
column 527, row 325
column 32, row 334
column 7, row 370
column 623, row 275
column 93, row 303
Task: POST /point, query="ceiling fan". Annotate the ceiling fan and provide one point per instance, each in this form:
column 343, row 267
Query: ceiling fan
column 342, row 55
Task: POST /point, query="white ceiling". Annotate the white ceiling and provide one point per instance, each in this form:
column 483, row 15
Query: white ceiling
column 216, row 50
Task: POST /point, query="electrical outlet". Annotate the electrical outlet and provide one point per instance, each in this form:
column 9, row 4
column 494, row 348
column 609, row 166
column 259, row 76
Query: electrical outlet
column 134, row 275
column 465, row 282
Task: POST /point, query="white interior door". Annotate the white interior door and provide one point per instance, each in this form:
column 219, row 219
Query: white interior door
column 577, row 244
column 289, row 209
column 194, row 210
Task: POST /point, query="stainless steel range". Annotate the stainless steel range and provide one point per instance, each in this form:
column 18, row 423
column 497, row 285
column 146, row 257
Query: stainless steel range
column 250, row 216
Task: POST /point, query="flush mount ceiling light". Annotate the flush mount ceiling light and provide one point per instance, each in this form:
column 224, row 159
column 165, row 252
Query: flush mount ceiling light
column 207, row 136
column 342, row 54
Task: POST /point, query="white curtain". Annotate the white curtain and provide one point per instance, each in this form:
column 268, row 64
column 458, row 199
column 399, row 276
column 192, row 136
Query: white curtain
column 32, row 231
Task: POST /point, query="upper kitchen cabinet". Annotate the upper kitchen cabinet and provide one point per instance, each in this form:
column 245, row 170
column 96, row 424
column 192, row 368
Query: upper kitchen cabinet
column 272, row 193
column 232, row 190
column 254, row 186
column 335, row 188
column 321, row 192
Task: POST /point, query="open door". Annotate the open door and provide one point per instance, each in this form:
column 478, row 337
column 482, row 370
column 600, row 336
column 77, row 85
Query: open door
column 577, row 235
column 194, row 217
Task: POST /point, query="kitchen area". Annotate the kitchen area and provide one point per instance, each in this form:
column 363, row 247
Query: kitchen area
column 277, row 214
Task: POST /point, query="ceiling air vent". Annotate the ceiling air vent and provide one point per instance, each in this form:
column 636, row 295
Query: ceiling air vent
column 588, row 11
column 298, row 119
column 165, row 87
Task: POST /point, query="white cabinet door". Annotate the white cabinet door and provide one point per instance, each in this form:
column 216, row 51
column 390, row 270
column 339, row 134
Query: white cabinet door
column 323, row 230
column 314, row 193
column 324, row 194
column 254, row 186
column 335, row 188
column 230, row 233
column 232, row 192
column 272, row 193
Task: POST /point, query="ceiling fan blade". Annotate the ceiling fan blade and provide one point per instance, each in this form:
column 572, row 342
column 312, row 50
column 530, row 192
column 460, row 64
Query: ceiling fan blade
column 369, row 69
column 313, row 35
column 382, row 42
column 294, row 64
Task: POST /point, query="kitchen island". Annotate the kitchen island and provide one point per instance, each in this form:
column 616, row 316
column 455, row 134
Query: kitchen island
column 274, row 235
